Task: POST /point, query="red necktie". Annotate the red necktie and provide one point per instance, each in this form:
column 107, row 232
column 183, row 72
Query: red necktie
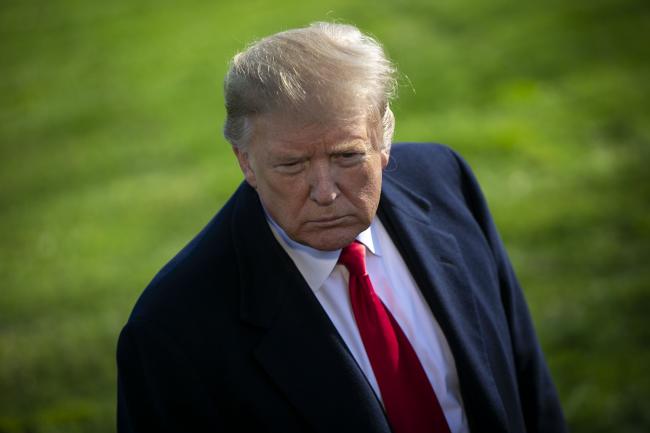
column 410, row 401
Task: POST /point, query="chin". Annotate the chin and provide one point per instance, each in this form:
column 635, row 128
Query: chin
column 328, row 245
column 331, row 240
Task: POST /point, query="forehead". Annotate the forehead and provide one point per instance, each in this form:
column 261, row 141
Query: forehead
column 282, row 131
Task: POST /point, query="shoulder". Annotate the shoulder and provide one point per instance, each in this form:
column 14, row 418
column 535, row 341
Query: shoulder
column 440, row 176
column 423, row 157
column 193, row 282
column 412, row 147
column 414, row 151
column 433, row 164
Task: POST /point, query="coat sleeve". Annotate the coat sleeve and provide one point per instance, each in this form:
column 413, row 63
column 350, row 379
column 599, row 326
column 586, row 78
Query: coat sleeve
column 539, row 400
column 158, row 389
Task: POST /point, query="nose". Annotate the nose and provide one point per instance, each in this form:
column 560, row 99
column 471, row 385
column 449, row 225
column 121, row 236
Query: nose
column 323, row 189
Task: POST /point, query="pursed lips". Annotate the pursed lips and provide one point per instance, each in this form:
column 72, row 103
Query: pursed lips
column 325, row 222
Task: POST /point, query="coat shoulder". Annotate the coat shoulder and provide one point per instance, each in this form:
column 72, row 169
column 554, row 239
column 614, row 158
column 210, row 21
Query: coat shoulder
column 195, row 277
column 432, row 164
column 431, row 157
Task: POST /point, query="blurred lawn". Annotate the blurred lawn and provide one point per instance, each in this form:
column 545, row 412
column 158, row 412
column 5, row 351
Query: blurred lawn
column 111, row 158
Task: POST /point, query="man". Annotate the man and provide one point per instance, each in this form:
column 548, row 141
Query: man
column 345, row 286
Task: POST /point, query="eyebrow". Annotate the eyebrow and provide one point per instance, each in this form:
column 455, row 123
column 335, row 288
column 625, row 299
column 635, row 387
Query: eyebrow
column 284, row 158
column 348, row 145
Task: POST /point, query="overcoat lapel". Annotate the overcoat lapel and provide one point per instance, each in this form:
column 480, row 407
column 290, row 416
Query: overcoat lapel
column 436, row 263
column 300, row 350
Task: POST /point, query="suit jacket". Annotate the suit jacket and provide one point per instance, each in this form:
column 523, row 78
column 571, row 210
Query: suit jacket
column 229, row 337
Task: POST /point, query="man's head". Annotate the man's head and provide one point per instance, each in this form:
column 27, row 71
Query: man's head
column 309, row 120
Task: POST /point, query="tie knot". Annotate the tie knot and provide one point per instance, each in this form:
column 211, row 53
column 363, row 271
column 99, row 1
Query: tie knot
column 353, row 257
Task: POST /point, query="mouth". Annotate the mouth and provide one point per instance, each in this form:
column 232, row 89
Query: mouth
column 328, row 222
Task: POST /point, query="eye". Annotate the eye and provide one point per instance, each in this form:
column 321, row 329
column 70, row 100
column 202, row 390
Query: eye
column 348, row 159
column 290, row 167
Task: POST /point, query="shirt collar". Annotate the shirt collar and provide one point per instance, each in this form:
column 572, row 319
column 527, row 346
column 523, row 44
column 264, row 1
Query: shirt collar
column 316, row 265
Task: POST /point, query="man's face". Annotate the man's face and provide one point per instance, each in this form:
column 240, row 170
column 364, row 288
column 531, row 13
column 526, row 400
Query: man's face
column 320, row 184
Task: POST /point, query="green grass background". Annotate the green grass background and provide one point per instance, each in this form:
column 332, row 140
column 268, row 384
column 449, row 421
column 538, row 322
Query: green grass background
column 111, row 159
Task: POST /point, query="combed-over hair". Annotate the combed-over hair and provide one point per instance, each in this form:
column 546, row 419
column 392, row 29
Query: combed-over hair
column 326, row 72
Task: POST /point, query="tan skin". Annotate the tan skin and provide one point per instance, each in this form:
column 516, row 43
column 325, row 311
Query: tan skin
column 320, row 184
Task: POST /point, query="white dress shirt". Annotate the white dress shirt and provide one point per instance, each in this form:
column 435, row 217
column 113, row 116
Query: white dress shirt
column 395, row 286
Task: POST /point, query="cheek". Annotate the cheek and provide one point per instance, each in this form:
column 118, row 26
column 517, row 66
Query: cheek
column 285, row 195
column 365, row 189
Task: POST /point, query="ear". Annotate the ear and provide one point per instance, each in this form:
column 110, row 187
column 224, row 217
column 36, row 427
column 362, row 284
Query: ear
column 244, row 164
column 385, row 156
